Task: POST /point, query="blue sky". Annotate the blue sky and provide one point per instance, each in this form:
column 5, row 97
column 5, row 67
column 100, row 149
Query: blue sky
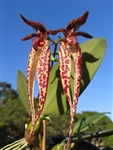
column 54, row 15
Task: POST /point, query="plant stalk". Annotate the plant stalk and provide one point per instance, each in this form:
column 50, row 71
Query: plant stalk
column 44, row 135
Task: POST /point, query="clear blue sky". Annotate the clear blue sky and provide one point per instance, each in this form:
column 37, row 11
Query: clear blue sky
column 56, row 14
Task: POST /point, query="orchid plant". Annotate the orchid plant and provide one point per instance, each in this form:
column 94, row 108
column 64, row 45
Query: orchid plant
column 71, row 78
column 39, row 63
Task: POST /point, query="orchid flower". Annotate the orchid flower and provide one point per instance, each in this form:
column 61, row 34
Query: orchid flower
column 39, row 64
column 70, row 48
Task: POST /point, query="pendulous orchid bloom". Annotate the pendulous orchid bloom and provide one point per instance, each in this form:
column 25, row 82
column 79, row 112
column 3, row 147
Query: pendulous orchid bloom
column 70, row 43
column 39, row 64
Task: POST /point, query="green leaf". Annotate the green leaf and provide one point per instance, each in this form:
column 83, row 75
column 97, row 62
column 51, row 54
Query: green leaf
column 57, row 147
column 86, row 122
column 81, row 137
column 22, row 90
column 93, row 54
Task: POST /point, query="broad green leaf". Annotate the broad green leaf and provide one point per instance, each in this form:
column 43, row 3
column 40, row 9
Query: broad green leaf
column 86, row 122
column 93, row 53
column 22, row 90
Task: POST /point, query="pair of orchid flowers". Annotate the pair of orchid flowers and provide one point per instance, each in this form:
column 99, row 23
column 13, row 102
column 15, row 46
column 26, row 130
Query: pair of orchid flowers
column 39, row 65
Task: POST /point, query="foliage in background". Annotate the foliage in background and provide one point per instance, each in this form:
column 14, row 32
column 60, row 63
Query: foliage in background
column 57, row 129
column 13, row 115
column 13, row 119
column 6, row 93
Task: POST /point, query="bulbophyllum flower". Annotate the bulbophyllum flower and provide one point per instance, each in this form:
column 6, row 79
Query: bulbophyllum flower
column 70, row 48
column 39, row 64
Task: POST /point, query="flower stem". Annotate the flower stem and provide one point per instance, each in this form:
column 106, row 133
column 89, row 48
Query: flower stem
column 44, row 135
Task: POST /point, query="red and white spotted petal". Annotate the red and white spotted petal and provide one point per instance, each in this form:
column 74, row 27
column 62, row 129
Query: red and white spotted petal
column 42, row 74
column 42, row 65
column 65, row 69
column 43, row 69
column 77, row 58
column 72, row 114
column 30, row 73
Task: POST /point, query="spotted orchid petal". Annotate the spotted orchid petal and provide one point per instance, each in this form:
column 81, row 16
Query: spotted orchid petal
column 75, row 52
column 35, row 66
column 65, row 69
column 42, row 74
column 43, row 69
column 41, row 66
column 30, row 73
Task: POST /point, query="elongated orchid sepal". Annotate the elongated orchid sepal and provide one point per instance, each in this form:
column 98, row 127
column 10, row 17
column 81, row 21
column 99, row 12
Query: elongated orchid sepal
column 42, row 73
column 75, row 51
column 65, row 69
column 76, row 54
column 43, row 69
column 30, row 72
